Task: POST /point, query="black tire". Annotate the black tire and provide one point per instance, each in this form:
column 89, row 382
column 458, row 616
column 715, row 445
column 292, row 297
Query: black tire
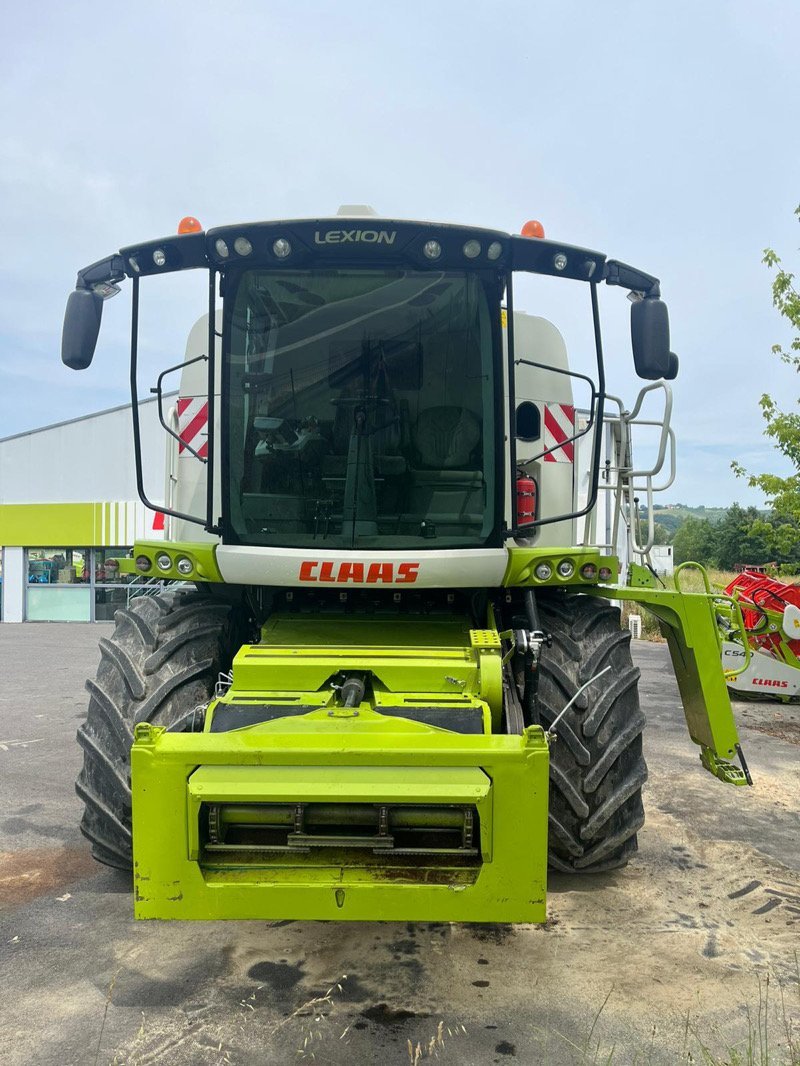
column 159, row 666
column 597, row 768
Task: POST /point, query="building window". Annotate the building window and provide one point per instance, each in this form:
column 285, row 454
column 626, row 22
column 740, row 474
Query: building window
column 58, row 585
column 75, row 584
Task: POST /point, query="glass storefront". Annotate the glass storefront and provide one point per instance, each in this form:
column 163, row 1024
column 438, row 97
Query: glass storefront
column 75, row 584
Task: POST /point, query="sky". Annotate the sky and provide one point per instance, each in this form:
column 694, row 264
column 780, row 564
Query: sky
column 660, row 134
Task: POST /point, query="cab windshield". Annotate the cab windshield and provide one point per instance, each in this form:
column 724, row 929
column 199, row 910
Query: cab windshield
column 360, row 409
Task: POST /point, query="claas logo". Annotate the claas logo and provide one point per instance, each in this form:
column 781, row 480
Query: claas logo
column 312, row 570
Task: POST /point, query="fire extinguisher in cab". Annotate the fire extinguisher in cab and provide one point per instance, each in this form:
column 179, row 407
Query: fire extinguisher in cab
column 526, row 499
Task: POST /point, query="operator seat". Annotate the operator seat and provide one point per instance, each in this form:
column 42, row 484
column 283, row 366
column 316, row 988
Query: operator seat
column 447, row 482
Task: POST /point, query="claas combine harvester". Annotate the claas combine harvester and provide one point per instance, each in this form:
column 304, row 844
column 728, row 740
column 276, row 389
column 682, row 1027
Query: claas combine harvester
column 383, row 679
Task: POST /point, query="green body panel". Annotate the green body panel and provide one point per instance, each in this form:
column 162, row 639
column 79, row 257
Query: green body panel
column 523, row 561
column 506, row 777
column 202, row 557
column 424, row 656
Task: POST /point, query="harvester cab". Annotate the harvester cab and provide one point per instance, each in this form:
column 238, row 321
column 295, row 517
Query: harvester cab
column 384, row 679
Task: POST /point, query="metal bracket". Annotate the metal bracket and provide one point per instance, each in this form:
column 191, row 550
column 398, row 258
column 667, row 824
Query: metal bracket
column 723, row 769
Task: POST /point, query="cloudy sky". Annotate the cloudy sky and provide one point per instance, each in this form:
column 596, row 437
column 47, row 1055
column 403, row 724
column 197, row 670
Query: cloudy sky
column 661, row 134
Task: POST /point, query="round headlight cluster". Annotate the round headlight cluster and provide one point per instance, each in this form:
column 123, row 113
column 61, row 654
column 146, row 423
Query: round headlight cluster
column 241, row 246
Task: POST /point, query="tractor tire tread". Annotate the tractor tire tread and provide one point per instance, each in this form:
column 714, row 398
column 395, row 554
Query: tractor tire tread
column 161, row 662
column 597, row 767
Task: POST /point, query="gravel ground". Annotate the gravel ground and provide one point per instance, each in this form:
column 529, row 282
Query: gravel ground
column 640, row 966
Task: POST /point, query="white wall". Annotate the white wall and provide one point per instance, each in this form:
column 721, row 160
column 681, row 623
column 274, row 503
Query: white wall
column 87, row 459
column 13, row 584
column 661, row 557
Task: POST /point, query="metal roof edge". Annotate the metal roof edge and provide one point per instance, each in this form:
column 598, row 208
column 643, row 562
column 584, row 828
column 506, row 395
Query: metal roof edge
column 83, row 418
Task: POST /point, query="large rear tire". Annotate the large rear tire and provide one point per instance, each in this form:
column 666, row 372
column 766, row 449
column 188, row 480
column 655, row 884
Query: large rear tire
column 597, row 768
column 160, row 666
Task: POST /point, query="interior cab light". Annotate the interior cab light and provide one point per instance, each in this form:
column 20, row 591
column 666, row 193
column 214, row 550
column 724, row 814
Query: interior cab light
column 532, row 228
column 189, row 224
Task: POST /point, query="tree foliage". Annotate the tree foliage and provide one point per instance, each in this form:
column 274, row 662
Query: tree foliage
column 782, row 426
column 741, row 537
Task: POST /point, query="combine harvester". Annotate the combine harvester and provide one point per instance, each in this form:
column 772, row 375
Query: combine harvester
column 768, row 661
column 390, row 684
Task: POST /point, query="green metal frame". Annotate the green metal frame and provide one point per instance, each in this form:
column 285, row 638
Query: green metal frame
column 688, row 622
column 339, row 754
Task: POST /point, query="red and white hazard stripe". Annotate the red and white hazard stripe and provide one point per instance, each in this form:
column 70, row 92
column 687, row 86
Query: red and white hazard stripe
column 193, row 425
column 559, row 427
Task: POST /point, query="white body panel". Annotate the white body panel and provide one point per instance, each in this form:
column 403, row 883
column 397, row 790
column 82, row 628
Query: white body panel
column 186, row 475
column 307, row 568
column 764, row 675
column 538, row 340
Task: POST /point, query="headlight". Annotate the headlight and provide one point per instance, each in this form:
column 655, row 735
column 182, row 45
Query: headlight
column 184, row 566
column 242, row 246
column 566, row 568
column 472, row 249
column 604, row 573
column 143, row 563
column 589, row 571
column 494, row 251
column 543, row 571
column 159, row 257
column 222, row 248
column 281, row 248
column 432, row 249
column 163, row 561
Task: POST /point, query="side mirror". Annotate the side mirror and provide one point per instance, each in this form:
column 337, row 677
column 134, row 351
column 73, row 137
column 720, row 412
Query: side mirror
column 650, row 339
column 81, row 327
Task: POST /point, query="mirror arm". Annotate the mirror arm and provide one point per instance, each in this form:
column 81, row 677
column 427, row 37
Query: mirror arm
column 616, row 273
column 111, row 269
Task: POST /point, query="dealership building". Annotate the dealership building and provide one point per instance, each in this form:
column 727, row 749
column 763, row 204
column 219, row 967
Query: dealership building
column 69, row 510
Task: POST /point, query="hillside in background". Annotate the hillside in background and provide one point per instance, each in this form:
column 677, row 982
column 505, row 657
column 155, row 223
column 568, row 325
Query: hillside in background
column 671, row 516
